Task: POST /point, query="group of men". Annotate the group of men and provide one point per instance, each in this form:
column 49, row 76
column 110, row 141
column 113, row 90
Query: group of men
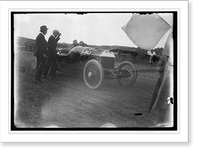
column 151, row 54
column 45, row 53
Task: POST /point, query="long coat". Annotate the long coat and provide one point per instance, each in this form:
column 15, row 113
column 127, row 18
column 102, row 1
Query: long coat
column 40, row 46
column 52, row 44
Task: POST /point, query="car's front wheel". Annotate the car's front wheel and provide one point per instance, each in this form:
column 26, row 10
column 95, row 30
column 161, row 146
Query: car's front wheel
column 93, row 74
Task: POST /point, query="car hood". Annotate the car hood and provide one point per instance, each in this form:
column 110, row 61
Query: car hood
column 88, row 51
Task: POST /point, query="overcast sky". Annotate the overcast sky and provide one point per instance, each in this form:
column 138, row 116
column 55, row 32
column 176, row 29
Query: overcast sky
column 92, row 28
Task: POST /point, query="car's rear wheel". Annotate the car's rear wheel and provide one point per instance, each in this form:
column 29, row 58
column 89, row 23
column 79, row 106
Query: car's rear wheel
column 129, row 74
column 93, row 74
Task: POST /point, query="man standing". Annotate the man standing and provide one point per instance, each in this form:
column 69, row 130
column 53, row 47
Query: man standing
column 40, row 53
column 52, row 44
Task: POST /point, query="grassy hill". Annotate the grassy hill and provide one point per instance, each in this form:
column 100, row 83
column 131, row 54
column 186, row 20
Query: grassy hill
column 23, row 42
column 27, row 44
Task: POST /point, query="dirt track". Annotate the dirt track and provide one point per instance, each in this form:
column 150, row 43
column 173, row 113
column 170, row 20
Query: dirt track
column 71, row 103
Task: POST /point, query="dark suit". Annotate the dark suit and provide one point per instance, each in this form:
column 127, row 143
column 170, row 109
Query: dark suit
column 40, row 50
column 51, row 65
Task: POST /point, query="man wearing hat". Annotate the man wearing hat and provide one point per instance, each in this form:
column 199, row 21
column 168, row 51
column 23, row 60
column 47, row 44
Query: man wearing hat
column 40, row 53
column 51, row 65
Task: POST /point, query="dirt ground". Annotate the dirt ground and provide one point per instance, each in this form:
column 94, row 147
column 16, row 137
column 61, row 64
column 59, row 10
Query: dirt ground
column 69, row 103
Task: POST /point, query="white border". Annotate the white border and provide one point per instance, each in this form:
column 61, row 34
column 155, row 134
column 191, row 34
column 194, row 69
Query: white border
column 93, row 136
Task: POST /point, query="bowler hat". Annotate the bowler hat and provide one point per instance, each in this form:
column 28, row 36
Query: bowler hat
column 43, row 28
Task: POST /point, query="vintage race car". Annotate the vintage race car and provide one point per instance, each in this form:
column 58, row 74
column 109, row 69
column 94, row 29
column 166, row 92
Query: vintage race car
column 95, row 65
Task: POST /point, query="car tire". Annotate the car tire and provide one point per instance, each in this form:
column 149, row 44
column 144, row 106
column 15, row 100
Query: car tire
column 93, row 74
column 129, row 81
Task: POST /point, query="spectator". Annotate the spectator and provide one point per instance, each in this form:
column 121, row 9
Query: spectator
column 151, row 56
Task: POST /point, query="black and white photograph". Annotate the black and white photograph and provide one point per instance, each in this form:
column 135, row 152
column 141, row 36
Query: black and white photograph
column 94, row 70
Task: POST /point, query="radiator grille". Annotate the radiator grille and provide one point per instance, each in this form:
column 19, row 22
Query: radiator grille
column 107, row 62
